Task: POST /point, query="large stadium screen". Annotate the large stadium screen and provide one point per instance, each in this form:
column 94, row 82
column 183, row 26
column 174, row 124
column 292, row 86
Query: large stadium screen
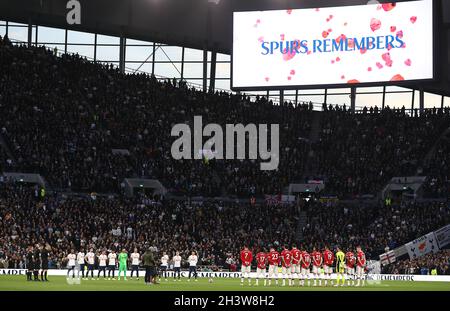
column 333, row 46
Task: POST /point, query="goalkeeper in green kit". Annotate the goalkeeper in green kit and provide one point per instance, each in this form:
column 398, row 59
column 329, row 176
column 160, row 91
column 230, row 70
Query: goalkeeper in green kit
column 123, row 258
column 340, row 266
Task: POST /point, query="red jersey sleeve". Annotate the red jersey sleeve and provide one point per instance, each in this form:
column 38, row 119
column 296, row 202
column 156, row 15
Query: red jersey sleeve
column 361, row 259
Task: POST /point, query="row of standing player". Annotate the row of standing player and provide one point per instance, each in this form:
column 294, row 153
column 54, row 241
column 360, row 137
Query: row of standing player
column 296, row 263
column 37, row 258
column 108, row 261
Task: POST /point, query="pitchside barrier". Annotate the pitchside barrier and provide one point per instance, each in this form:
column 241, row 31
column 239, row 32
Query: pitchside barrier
column 237, row 275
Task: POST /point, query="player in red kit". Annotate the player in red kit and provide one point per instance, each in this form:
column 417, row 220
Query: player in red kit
column 286, row 262
column 246, row 260
column 360, row 266
column 350, row 261
column 328, row 259
column 305, row 262
column 261, row 263
column 317, row 266
column 296, row 256
column 274, row 260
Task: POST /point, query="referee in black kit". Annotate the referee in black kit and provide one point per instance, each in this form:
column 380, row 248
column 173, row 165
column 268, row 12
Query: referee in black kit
column 30, row 263
column 44, row 262
column 36, row 262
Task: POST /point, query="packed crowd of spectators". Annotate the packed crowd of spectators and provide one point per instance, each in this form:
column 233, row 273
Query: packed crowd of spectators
column 440, row 261
column 3, row 160
column 216, row 230
column 65, row 121
column 376, row 228
column 63, row 116
column 359, row 153
column 438, row 170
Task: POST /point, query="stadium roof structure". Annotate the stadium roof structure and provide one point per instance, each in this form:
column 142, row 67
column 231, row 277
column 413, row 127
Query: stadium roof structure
column 198, row 24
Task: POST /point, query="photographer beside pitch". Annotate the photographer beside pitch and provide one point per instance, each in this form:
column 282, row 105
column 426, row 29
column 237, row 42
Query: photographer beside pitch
column 149, row 263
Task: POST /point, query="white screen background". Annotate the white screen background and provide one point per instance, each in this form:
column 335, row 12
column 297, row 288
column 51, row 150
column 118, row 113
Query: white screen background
column 413, row 62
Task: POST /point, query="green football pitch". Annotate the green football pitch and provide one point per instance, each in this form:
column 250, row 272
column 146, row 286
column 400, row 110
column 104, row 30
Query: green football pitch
column 59, row 283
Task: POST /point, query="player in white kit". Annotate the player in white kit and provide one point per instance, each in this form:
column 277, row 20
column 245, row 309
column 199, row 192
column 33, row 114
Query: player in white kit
column 81, row 262
column 102, row 264
column 193, row 259
column 164, row 265
column 111, row 264
column 135, row 263
column 176, row 266
column 90, row 258
column 71, row 263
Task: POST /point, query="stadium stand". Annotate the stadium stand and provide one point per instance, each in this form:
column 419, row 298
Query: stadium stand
column 422, row 265
column 215, row 229
column 392, row 142
column 70, row 141
column 438, row 170
column 62, row 117
column 377, row 228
